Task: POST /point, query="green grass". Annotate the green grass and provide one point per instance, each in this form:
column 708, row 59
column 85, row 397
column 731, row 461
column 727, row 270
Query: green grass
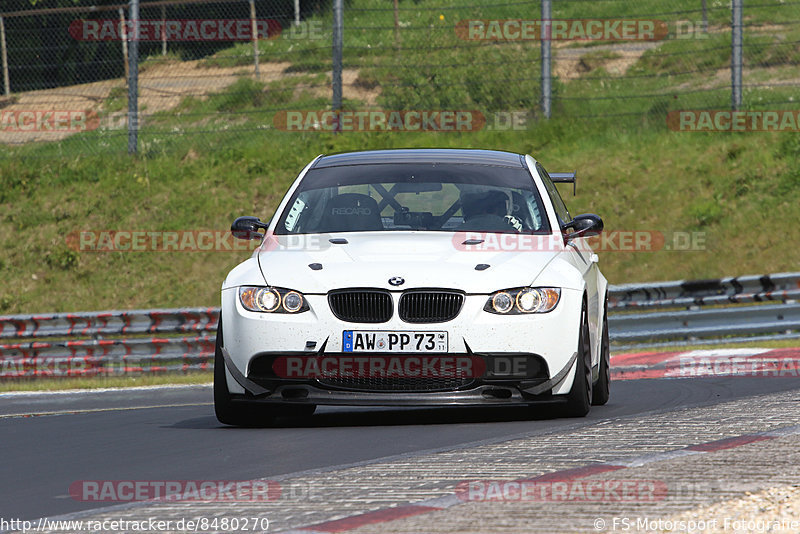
column 58, row 384
column 730, row 187
column 212, row 159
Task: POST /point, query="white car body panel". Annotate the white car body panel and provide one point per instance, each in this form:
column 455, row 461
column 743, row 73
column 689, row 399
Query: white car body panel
column 424, row 259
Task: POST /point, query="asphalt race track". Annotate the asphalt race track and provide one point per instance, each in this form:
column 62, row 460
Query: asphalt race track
column 51, row 440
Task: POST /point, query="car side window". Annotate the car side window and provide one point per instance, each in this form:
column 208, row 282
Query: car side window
column 558, row 203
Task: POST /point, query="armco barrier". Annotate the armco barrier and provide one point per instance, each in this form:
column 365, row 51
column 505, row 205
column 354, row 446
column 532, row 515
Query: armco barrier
column 743, row 289
column 664, row 313
column 109, row 322
column 105, row 356
column 74, row 344
column 697, row 312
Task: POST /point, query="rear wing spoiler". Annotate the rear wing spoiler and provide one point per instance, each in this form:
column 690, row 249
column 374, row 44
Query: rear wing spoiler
column 566, row 178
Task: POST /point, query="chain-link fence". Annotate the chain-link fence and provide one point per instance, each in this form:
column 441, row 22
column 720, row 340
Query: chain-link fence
column 199, row 68
column 239, row 66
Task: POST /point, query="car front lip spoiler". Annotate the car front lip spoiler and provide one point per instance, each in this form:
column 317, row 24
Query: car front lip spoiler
column 249, row 386
column 550, row 384
column 307, row 394
column 318, row 396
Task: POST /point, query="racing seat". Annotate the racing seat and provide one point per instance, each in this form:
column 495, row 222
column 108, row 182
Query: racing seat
column 351, row 212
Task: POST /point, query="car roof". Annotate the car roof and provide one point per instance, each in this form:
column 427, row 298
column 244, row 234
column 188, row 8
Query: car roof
column 423, row 155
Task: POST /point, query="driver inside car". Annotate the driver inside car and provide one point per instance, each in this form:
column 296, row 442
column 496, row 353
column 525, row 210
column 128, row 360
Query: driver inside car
column 487, row 211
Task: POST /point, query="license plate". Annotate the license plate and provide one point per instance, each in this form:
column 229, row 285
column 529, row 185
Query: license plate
column 384, row 341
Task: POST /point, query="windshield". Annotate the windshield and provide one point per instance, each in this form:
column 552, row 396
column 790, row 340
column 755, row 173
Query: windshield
column 430, row 197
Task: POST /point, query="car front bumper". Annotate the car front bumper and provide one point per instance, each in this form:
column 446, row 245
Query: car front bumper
column 551, row 337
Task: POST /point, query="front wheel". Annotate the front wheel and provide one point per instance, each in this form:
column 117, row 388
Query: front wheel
column 240, row 413
column 580, row 396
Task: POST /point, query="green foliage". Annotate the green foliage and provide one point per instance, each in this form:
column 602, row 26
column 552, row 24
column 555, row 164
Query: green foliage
column 687, row 56
column 704, row 213
column 789, row 148
column 789, row 182
column 244, row 94
column 747, row 183
column 62, row 258
column 214, row 158
column 117, row 100
column 634, row 175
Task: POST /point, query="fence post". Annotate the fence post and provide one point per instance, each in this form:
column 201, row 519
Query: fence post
column 705, row 17
column 4, row 54
column 338, row 36
column 163, row 30
column 254, row 29
column 547, row 14
column 133, row 78
column 736, row 54
column 396, row 23
column 124, row 44
column 296, row 12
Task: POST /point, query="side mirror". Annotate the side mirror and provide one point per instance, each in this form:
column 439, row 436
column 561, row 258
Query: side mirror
column 248, row 228
column 585, row 225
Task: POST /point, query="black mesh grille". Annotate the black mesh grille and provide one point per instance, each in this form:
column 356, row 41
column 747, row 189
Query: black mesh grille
column 394, row 383
column 430, row 306
column 361, row 305
column 261, row 371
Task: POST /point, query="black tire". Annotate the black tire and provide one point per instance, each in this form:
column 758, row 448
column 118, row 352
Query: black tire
column 579, row 398
column 600, row 390
column 243, row 414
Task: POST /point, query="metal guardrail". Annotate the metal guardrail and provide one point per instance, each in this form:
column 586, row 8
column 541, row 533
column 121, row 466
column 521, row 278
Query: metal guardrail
column 716, row 323
column 698, row 312
column 659, row 314
column 109, row 322
column 74, row 344
column 732, row 290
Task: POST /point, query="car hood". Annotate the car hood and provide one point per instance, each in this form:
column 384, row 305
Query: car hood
column 422, row 259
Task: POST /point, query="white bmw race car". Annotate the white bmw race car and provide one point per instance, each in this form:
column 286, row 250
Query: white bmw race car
column 414, row 277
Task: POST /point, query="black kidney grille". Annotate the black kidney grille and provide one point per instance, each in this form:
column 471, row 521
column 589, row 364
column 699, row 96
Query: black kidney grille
column 361, row 305
column 434, row 306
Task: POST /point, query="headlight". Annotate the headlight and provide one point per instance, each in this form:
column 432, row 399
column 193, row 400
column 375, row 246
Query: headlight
column 272, row 300
column 502, row 302
column 293, row 301
column 523, row 300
